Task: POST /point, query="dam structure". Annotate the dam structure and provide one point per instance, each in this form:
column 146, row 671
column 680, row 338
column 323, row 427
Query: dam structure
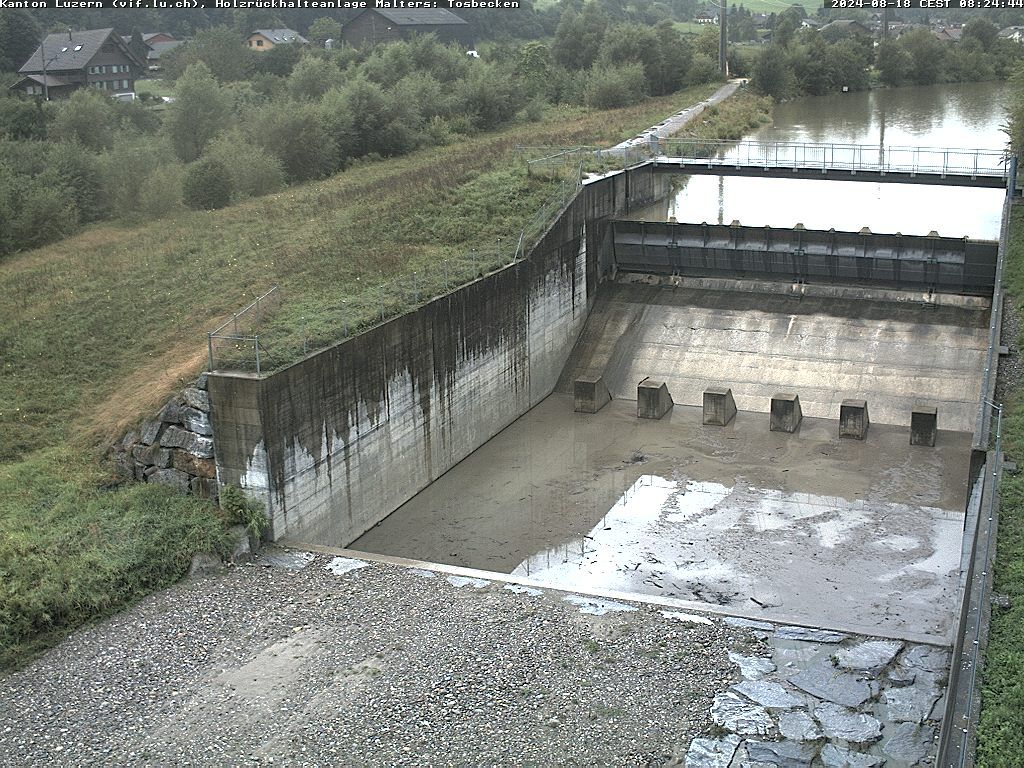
column 776, row 425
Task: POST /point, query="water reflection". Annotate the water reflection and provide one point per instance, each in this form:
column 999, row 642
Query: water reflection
column 969, row 116
column 715, row 543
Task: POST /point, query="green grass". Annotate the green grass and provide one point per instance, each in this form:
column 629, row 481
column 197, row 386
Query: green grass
column 73, row 548
column 97, row 331
column 1001, row 730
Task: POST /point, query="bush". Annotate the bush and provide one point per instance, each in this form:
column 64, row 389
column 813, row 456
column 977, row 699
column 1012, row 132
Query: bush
column 614, row 85
column 254, row 171
column 207, row 185
column 162, row 191
column 242, row 510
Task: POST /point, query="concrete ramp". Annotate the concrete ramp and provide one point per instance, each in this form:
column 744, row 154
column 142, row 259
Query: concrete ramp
column 894, row 355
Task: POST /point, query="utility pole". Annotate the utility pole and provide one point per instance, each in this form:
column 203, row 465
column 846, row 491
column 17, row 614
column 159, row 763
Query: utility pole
column 42, row 55
column 723, row 65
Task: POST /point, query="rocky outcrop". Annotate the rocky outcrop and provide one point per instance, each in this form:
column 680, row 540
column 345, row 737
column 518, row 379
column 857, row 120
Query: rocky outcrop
column 175, row 448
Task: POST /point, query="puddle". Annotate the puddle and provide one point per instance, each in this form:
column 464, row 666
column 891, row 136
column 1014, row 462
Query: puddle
column 752, row 548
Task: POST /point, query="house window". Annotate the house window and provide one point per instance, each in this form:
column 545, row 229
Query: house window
column 259, row 43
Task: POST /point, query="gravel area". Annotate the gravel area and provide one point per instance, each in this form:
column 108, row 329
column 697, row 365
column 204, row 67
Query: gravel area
column 340, row 662
column 1010, row 367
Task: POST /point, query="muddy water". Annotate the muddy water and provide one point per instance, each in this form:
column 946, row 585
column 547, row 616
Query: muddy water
column 805, row 527
column 969, row 115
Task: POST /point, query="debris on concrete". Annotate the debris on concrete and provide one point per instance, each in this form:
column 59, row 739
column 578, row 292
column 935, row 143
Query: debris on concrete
column 520, row 589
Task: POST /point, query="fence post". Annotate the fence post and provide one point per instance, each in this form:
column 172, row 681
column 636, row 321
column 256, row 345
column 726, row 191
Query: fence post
column 305, row 344
column 256, row 339
column 209, row 350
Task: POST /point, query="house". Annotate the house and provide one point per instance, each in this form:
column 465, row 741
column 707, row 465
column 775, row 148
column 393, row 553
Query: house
column 810, row 24
column 383, row 25
column 265, row 39
column 156, row 50
column 1012, row 33
column 948, row 34
column 67, row 61
column 705, row 16
column 842, row 28
column 151, row 38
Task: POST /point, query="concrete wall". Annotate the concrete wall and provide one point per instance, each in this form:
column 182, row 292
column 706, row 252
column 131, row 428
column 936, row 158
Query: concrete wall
column 335, row 443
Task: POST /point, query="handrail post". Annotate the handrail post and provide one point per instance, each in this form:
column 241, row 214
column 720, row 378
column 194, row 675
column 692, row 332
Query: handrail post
column 257, row 341
column 209, row 350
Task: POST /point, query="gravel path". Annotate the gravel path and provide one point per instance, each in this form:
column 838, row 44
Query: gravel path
column 379, row 665
column 674, row 123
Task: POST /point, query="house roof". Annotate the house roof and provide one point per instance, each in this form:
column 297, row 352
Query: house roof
column 50, row 81
column 846, row 25
column 948, row 33
column 278, row 36
column 72, row 50
column 158, row 49
column 147, row 36
column 423, row 16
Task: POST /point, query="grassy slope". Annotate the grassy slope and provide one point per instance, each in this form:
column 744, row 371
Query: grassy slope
column 96, row 331
column 1001, row 732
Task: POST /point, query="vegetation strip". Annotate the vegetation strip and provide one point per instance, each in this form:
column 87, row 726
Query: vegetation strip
column 1001, row 729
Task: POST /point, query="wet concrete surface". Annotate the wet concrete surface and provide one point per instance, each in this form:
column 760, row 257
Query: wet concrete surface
column 895, row 354
column 803, row 528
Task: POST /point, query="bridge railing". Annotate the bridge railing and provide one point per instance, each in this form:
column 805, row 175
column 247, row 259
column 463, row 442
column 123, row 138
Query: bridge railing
column 852, row 157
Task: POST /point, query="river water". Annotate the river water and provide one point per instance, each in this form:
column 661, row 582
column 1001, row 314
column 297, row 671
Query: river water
column 949, row 116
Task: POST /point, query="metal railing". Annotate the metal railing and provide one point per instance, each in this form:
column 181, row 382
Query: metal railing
column 957, row 739
column 245, row 343
column 851, row 157
column 236, row 343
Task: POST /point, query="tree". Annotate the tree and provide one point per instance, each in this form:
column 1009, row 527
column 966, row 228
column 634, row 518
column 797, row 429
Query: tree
column 298, row 138
column 19, row 36
column 322, row 30
column 207, row 186
column 579, row 36
column 219, row 48
column 927, row 56
column 846, row 66
column 674, row 58
column 88, row 117
column 253, row 170
column 982, row 30
column 773, row 74
column 893, row 63
column 1015, row 112
column 279, row 60
column 312, row 78
column 23, row 119
column 614, row 85
column 200, row 110
column 489, row 96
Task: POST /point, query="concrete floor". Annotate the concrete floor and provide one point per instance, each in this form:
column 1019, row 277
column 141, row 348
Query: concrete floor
column 803, row 528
